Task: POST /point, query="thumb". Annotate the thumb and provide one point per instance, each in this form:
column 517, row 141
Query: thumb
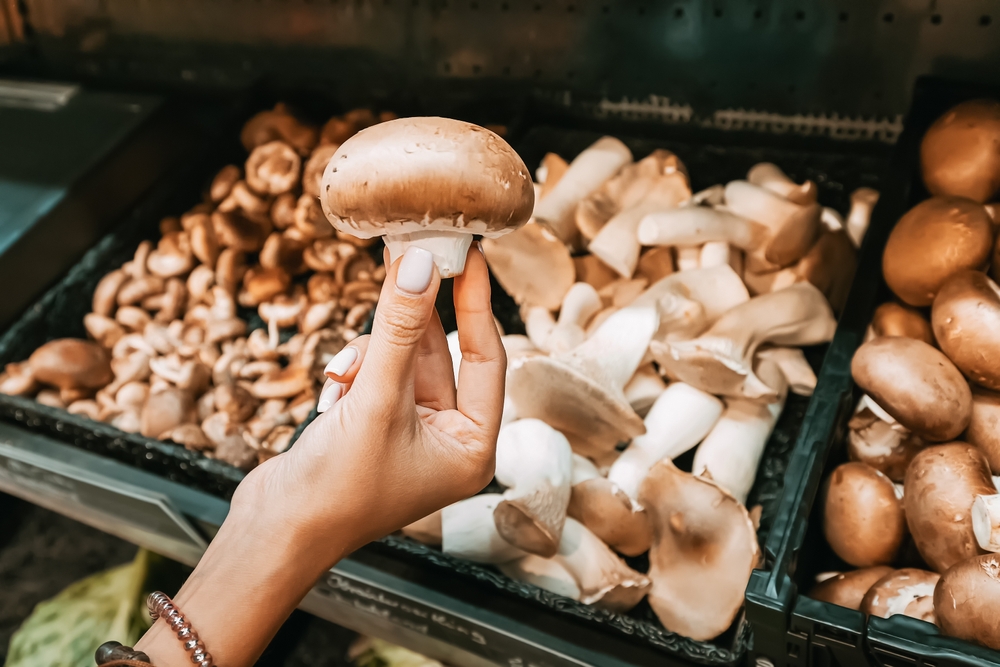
column 401, row 317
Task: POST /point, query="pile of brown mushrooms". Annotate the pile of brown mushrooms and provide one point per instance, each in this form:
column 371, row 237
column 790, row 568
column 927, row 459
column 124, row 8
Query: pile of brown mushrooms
column 667, row 320
column 169, row 356
column 919, row 493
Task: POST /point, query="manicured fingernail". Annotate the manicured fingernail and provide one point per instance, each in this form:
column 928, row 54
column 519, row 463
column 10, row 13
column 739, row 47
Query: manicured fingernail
column 341, row 363
column 479, row 244
column 329, row 396
column 415, row 270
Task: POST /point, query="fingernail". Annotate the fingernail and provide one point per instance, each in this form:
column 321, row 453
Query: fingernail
column 329, row 396
column 342, row 363
column 415, row 270
column 479, row 244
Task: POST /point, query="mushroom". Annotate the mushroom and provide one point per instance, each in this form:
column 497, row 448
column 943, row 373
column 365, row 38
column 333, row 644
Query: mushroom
column 137, row 289
column 278, row 123
column 282, row 311
column 285, row 383
column 984, row 426
column 238, row 232
column 704, row 549
column 468, row 531
column 607, row 511
column 644, row 388
column 934, row 240
column 730, row 453
column 589, row 269
column 916, row 384
column 967, row 600
column 848, row 589
column 534, row 462
column 908, row 591
column 830, row 265
column 18, row 380
column 791, row 361
column 679, row 419
column 604, row 579
column 688, row 257
column 893, row 319
column 70, row 363
column 793, row 227
column 273, row 168
column 695, row 225
column 717, row 290
column 863, row 518
column 714, row 253
column 223, row 182
column 106, row 293
column 986, row 522
column 720, row 361
column 586, row 173
column 863, row 202
column 580, row 392
column 579, row 304
column 260, row 285
column 229, row 269
column 551, row 169
column 439, row 182
column 878, row 440
column 960, row 152
column 164, row 411
column 965, row 317
column 546, row 573
column 85, row 407
column 617, row 244
column 770, row 177
column 426, row 530
column 172, row 257
column 654, row 264
column 941, row 486
column 103, row 329
column 188, row 435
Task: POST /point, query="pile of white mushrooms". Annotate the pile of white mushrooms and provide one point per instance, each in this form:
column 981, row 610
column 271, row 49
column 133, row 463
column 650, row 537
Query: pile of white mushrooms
column 663, row 320
column 169, row 356
column 930, row 370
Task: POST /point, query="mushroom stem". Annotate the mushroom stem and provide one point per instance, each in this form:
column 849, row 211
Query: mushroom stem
column 771, row 177
column 793, row 365
column 793, row 227
column 715, row 253
column 986, row 522
column 468, row 531
column 679, row 419
column 546, row 573
column 449, row 248
column 863, row 201
column 688, row 257
column 604, row 579
column 694, row 225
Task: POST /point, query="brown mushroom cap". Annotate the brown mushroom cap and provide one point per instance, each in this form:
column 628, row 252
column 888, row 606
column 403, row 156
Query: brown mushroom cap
column 848, row 588
column 69, row 363
column 609, row 513
column 429, row 172
column 862, row 518
column 935, row 239
column 984, row 427
column 908, row 591
column 960, row 154
column 164, row 411
column 888, row 448
column 704, row 549
column 916, row 384
column 893, row 319
column 941, row 484
column 967, row 600
column 966, row 321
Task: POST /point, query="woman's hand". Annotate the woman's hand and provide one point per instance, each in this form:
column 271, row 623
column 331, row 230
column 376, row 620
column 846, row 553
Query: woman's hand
column 395, row 443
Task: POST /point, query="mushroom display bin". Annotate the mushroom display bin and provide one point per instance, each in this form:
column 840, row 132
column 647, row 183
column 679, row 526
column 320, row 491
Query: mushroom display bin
column 816, row 632
column 635, row 638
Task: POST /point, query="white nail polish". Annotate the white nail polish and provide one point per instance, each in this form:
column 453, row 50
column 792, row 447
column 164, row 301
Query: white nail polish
column 342, row 362
column 415, row 270
column 329, row 397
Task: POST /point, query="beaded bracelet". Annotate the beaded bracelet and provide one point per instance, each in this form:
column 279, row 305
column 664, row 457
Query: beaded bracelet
column 113, row 654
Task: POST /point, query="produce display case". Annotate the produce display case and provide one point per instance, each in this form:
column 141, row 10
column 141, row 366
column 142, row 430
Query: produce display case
column 557, row 76
column 819, row 632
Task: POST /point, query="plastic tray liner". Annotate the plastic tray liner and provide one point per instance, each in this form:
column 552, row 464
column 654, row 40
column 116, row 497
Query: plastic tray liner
column 711, row 157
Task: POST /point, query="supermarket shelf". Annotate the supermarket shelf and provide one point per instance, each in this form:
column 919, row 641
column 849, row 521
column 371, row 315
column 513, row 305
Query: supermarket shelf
column 177, row 522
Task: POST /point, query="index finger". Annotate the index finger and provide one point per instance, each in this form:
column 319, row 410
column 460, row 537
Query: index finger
column 484, row 363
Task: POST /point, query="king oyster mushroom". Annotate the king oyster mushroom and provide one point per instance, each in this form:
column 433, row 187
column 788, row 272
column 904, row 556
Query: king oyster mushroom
column 607, row 511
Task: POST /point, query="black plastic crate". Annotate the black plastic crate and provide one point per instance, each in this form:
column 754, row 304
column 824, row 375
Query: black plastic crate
column 711, row 156
column 791, row 629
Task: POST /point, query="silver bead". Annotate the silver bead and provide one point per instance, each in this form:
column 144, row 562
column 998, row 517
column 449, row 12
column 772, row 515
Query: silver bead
column 207, row 662
column 176, row 623
column 194, row 643
column 201, row 657
column 187, row 632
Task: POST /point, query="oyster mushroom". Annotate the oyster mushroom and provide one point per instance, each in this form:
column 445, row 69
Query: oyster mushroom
column 69, row 363
column 793, row 228
column 770, row 177
column 468, row 531
column 607, row 511
column 579, row 305
column 580, row 392
column 550, row 172
column 965, row 317
column 644, row 388
column 546, row 573
column 934, row 240
column 908, row 591
column 863, row 518
column 695, row 225
column 794, row 367
column 863, row 202
column 704, row 548
column 679, row 419
column 848, row 589
column 534, row 462
column 960, row 152
column 439, row 182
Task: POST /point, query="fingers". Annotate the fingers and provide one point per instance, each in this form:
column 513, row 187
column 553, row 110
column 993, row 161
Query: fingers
column 401, row 318
column 341, row 371
column 484, row 363
column 434, row 383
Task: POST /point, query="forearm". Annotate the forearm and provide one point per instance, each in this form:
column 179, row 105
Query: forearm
column 246, row 585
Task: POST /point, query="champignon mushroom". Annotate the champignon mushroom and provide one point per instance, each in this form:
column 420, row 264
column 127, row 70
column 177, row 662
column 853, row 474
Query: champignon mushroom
column 793, row 227
column 546, row 573
column 984, row 426
column 580, row 392
column 679, row 419
column 941, row 485
column 720, row 361
column 967, row 600
column 916, row 384
column 704, row 549
column 908, row 591
column 70, row 363
column 468, row 531
column 986, row 522
column 278, row 123
column 535, row 463
column 960, row 153
column 966, row 317
column 586, row 173
column 878, row 440
column 862, row 517
column 934, row 240
column 848, row 589
column 439, row 182
column 893, row 319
